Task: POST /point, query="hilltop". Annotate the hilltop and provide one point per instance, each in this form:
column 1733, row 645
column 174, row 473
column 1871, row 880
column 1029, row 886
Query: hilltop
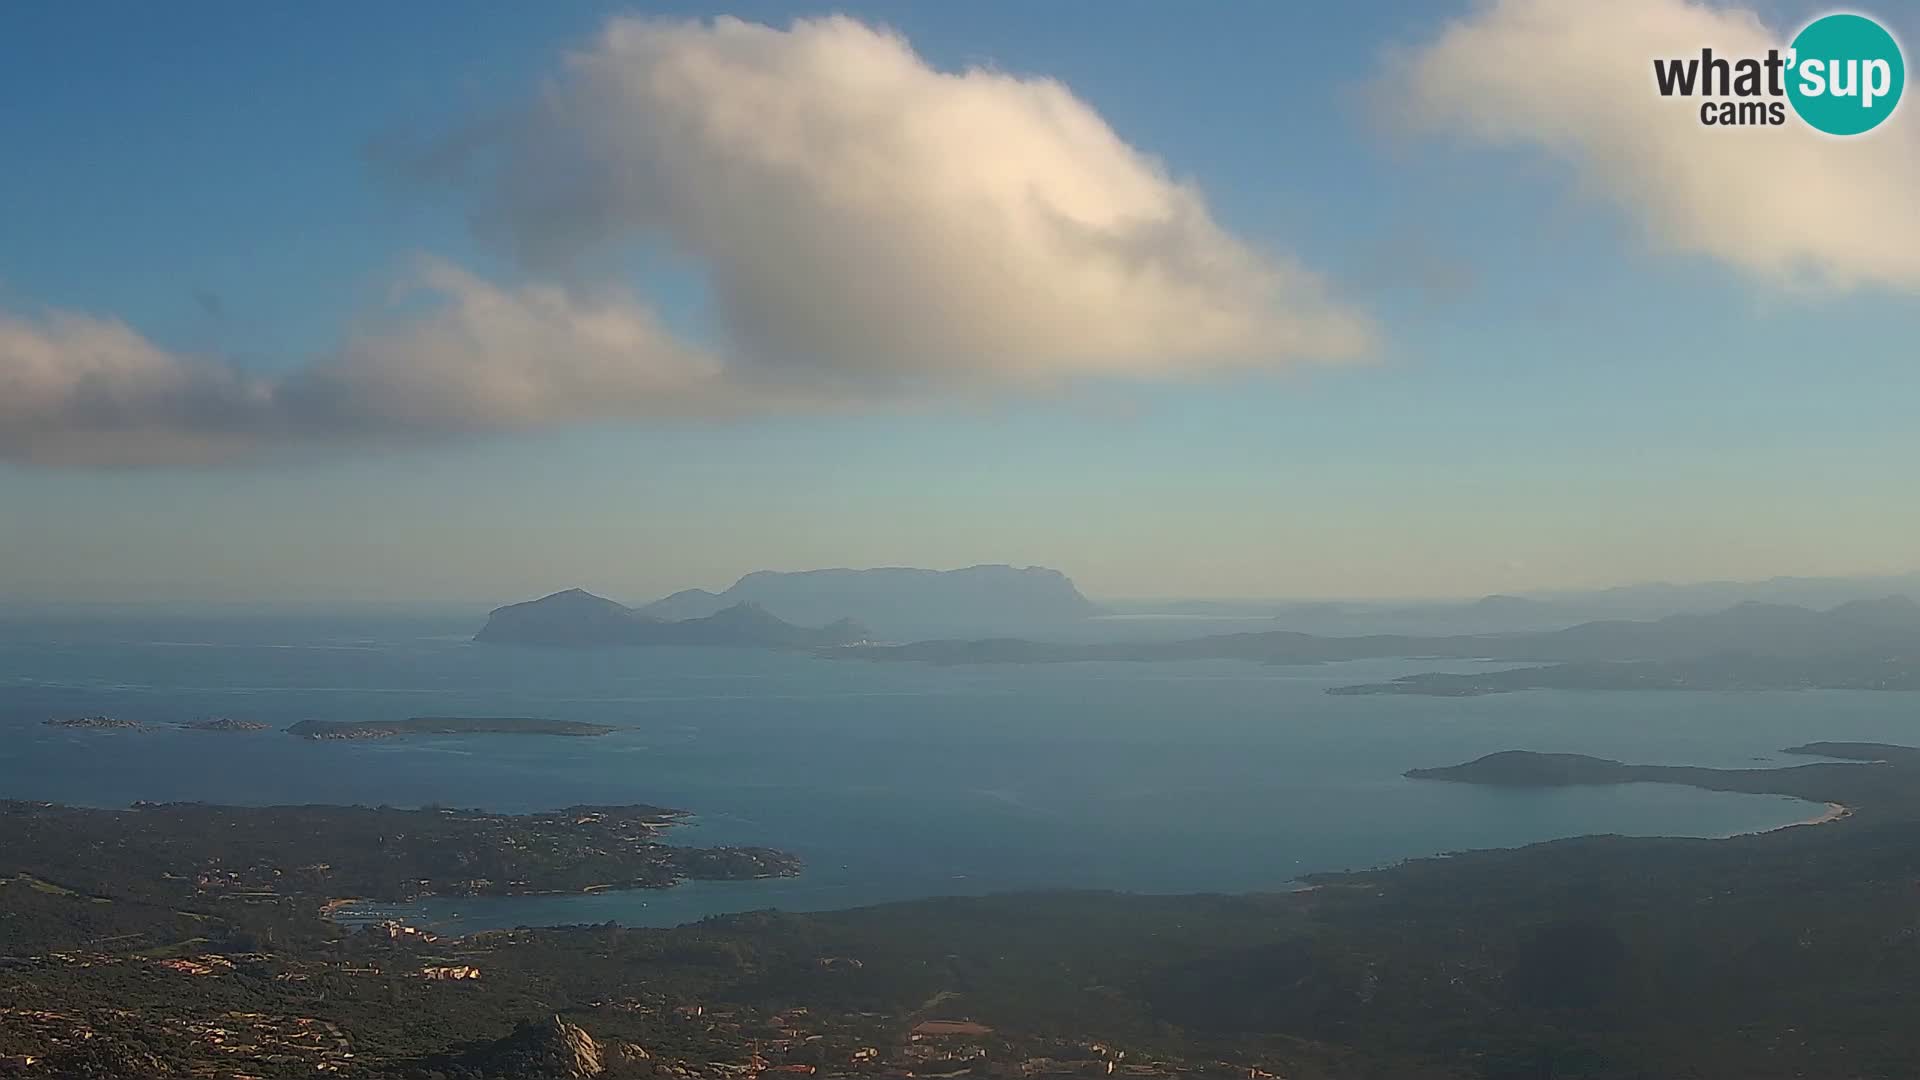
column 578, row 619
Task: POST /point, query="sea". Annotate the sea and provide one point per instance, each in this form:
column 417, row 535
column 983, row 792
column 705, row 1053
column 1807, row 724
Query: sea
column 891, row 781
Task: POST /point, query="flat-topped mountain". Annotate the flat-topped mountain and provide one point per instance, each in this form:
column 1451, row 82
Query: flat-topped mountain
column 897, row 600
column 578, row 619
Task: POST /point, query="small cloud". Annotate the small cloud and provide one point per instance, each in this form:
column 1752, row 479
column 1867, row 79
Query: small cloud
column 465, row 357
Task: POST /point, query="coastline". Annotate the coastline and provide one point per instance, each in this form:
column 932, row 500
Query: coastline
column 449, row 923
column 1834, row 812
column 1831, row 813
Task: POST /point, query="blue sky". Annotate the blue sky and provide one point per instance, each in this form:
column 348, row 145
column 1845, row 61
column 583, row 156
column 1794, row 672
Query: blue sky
column 1554, row 396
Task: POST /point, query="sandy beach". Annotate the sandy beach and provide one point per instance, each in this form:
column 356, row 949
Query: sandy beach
column 1834, row 812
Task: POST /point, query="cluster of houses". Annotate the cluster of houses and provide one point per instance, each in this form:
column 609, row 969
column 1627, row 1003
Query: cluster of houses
column 796, row 1043
column 450, row 973
column 198, row 966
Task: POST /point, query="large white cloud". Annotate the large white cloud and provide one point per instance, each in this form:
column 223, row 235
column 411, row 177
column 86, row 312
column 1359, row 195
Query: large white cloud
column 862, row 213
column 483, row 358
column 1784, row 204
column 78, row 388
column 872, row 230
column 81, row 389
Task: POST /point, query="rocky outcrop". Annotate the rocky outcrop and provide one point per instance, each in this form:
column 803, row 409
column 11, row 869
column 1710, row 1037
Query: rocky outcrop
column 550, row 1049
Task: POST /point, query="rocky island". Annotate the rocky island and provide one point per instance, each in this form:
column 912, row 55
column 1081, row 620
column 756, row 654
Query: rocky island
column 224, row 723
column 95, row 723
column 443, row 725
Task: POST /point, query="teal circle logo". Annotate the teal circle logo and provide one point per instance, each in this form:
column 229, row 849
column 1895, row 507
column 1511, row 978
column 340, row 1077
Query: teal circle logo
column 1846, row 74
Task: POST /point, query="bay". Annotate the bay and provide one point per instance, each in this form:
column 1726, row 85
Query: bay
column 891, row 781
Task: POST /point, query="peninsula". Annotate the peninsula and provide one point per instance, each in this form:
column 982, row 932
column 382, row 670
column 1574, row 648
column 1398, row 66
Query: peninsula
column 1876, row 779
column 177, row 852
column 443, row 725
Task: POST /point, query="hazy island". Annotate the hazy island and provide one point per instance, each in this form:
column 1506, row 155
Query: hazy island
column 579, row 619
column 897, row 599
column 95, row 723
column 444, row 725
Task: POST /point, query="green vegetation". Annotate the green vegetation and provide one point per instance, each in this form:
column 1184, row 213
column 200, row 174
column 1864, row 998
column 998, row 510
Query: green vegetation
column 1786, row 954
column 166, row 858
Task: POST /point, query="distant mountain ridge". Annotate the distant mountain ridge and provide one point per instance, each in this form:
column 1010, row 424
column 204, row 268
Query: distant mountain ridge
column 897, row 599
column 1542, row 610
column 1702, row 597
column 1750, row 626
column 576, row 618
column 1888, row 626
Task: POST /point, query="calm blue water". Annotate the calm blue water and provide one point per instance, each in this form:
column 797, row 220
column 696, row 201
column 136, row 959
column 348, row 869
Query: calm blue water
column 892, row 781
